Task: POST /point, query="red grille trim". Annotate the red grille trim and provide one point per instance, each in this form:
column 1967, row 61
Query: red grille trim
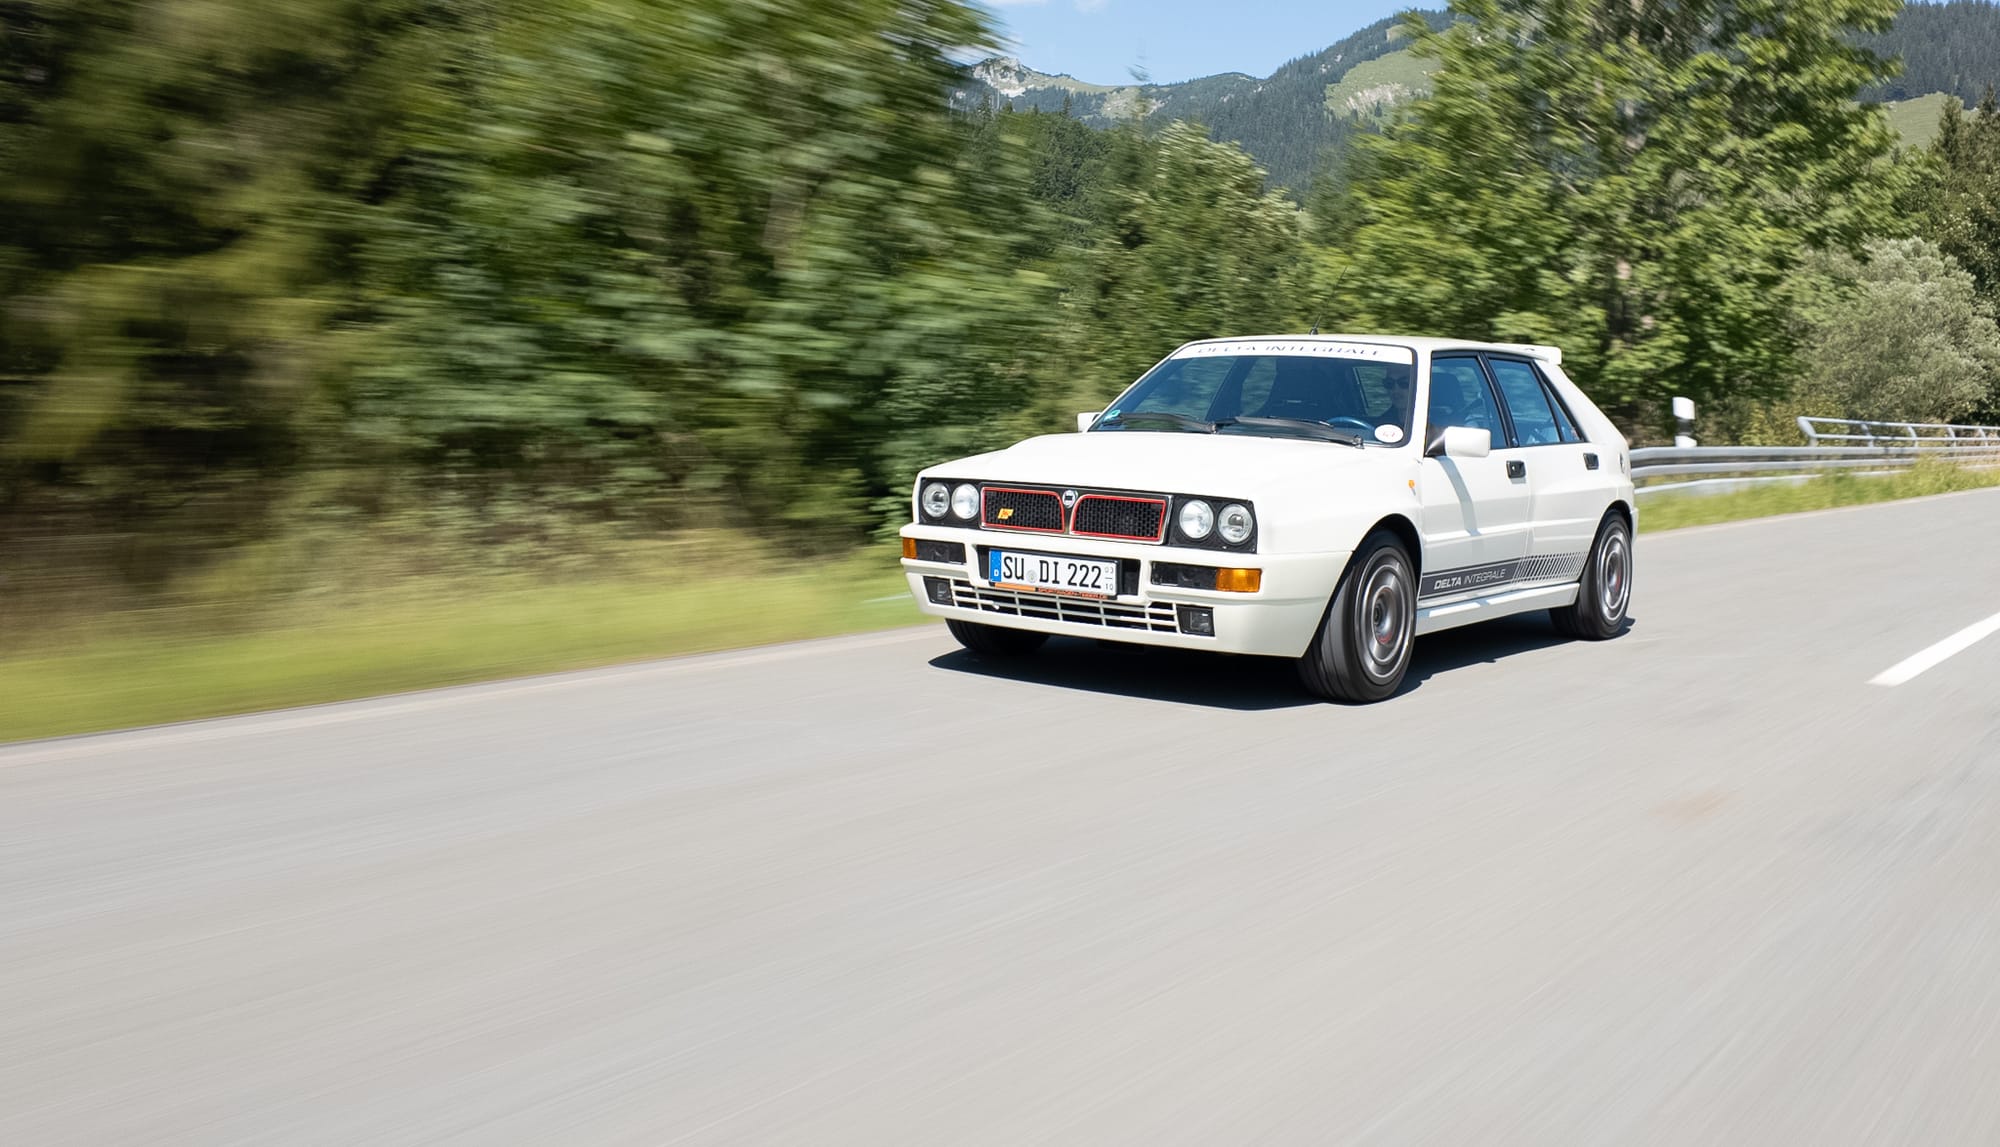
column 987, row 520
column 1160, row 536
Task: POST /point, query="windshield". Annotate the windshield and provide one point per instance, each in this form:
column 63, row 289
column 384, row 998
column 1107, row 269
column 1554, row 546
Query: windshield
column 1274, row 394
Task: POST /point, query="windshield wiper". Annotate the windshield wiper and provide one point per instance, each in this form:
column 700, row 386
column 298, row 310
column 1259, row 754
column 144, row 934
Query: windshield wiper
column 1167, row 416
column 1312, row 426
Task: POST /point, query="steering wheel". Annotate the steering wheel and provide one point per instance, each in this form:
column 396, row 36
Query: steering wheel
column 1366, row 427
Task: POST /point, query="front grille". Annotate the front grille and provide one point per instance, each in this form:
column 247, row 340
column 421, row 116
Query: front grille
column 1116, row 516
column 1155, row 618
column 1008, row 508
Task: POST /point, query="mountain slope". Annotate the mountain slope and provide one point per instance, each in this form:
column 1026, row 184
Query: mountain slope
column 1281, row 119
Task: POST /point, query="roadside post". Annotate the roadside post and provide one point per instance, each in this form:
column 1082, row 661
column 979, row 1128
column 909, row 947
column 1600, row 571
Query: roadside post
column 1684, row 416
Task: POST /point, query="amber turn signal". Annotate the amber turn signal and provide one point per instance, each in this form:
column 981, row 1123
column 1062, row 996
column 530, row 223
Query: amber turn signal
column 1239, row 581
column 910, row 548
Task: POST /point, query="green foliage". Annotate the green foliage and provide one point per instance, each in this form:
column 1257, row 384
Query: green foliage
column 534, row 280
column 1195, row 248
column 180, row 191
column 723, row 251
column 1957, row 203
column 1903, row 336
column 1632, row 184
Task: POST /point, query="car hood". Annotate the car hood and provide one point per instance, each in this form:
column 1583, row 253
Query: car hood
column 1226, row 465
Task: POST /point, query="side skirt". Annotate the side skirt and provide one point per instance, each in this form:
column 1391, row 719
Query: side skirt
column 1430, row 619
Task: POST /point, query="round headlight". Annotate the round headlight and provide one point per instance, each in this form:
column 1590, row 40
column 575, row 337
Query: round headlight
column 1236, row 524
column 965, row 501
column 937, row 500
column 1197, row 519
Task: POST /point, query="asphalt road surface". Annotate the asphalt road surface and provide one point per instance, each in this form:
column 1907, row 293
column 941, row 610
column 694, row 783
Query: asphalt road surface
column 1702, row 884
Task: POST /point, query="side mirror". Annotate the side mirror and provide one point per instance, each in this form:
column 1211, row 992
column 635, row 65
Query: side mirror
column 1084, row 420
column 1459, row 442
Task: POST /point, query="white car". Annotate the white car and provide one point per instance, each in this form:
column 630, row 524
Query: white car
column 1281, row 496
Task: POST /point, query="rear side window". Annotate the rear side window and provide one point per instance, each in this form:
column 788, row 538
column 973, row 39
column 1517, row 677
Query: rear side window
column 1564, row 422
column 1535, row 418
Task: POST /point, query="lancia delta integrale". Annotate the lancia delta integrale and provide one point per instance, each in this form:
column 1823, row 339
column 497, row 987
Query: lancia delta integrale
column 1321, row 498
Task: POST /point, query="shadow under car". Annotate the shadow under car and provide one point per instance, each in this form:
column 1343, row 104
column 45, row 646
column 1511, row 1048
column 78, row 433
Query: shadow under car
column 1227, row 681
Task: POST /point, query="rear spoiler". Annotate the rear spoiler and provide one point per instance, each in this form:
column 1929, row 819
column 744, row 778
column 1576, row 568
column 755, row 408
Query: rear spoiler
column 1552, row 355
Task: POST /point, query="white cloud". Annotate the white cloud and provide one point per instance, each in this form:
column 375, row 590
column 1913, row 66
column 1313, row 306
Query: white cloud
column 1090, row 5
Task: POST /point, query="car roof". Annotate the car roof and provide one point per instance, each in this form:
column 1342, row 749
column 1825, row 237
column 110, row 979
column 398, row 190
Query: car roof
column 1416, row 343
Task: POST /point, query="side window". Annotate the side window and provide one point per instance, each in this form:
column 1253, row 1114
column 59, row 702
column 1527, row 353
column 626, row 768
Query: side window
column 1528, row 404
column 1460, row 397
column 1564, row 422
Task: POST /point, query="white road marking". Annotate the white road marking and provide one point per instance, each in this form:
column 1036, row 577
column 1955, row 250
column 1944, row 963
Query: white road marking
column 1924, row 659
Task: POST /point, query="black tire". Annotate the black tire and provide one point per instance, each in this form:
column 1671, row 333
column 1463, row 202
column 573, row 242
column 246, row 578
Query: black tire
column 1604, row 590
column 1362, row 649
column 993, row 640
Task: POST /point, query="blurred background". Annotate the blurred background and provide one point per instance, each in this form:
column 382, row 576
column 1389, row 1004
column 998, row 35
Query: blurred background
column 357, row 345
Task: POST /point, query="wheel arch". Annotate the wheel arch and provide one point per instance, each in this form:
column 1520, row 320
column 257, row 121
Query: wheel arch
column 1623, row 509
column 1406, row 532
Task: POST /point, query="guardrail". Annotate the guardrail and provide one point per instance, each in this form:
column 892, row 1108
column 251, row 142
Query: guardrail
column 1838, row 444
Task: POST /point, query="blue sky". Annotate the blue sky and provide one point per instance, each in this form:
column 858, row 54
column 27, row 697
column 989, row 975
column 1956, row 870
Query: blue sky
column 1100, row 41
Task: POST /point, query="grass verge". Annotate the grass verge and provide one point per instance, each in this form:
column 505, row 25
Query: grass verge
column 1673, row 511
column 100, row 678
column 132, row 670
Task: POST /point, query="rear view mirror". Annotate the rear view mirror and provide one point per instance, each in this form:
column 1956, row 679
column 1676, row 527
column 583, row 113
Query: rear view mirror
column 1460, row 442
column 1084, row 420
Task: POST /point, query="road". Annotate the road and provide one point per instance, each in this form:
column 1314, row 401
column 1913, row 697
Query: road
column 1701, row 884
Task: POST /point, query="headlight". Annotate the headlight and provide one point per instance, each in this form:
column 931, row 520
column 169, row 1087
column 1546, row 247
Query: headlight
column 965, row 502
column 1236, row 524
column 1197, row 519
column 937, row 500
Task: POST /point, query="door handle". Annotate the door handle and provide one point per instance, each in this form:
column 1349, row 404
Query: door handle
column 1590, row 461
column 1517, row 468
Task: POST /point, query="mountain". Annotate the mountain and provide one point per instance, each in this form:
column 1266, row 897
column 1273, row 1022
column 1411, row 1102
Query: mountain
column 1291, row 119
column 1281, row 119
column 1952, row 48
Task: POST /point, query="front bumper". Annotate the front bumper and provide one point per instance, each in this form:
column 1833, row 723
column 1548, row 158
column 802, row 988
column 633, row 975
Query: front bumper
column 1278, row 620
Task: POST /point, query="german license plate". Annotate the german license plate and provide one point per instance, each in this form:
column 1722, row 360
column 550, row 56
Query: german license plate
column 1052, row 573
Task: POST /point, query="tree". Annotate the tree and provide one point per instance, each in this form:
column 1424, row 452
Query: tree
column 694, row 259
column 1631, row 182
column 1902, row 336
column 1958, row 207
column 183, row 182
column 1194, row 247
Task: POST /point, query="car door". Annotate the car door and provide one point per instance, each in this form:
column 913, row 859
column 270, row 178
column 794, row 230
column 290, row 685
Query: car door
column 1564, row 472
column 1477, row 517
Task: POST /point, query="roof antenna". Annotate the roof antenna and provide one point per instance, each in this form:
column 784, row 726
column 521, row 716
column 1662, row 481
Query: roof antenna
column 1332, row 287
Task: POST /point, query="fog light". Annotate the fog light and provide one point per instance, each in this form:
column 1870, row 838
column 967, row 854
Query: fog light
column 938, row 590
column 1239, row 581
column 1198, row 620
